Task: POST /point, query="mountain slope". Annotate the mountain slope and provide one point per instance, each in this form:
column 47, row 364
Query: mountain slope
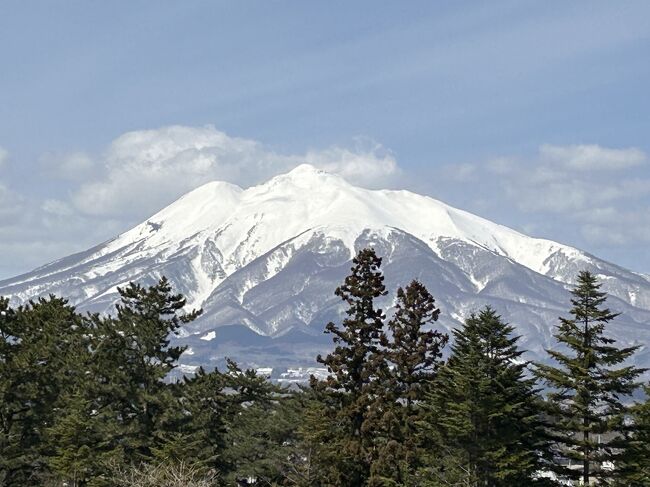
column 269, row 258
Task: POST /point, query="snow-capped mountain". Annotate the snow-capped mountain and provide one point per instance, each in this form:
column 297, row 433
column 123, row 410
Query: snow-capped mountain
column 263, row 263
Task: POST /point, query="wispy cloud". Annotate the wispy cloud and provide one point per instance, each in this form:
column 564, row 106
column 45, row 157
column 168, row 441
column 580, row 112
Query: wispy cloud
column 592, row 157
column 598, row 190
column 142, row 171
column 73, row 166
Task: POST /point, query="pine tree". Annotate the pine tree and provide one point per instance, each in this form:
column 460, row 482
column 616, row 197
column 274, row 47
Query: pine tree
column 482, row 408
column 10, row 408
column 413, row 356
column 197, row 432
column 229, row 422
column 309, row 447
column 114, row 405
column 36, row 370
column 146, row 318
column 131, row 358
column 261, row 439
column 634, row 464
column 354, row 365
column 78, row 456
column 585, row 404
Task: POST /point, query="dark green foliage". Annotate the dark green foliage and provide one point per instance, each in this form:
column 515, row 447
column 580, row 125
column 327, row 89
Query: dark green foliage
column 43, row 349
column 348, row 393
column 236, row 423
column 84, row 397
column 414, row 356
column 10, row 407
column 314, row 442
column 359, row 336
column 635, row 462
column 226, row 421
column 115, row 414
column 132, row 356
column 483, row 411
column 80, row 393
column 78, row 438
column 85, row 400
column 263, row 439
column 197, row 430
column 585, row 404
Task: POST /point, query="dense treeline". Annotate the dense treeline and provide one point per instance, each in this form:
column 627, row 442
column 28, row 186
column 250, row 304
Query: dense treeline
column 84, row 400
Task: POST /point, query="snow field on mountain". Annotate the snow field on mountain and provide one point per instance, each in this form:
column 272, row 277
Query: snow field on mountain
column 244, row 224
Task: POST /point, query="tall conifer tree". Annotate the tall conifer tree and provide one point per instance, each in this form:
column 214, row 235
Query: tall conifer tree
column 132, row 357
column 413, row 356
column 38, row 340
column 588, row 386
column 483, row 409
column 354, row 366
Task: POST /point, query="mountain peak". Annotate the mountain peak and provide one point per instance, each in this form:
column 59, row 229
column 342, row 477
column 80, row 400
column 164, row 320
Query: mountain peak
column 305, row 170
column 306, row 175
column 269, row 257
column 244, row 224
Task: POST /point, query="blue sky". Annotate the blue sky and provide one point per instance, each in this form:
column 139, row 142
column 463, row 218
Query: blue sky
column 532, row 114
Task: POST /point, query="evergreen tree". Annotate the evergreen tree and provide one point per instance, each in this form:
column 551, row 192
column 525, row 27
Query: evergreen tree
column 262, row 438
column 82, row 435
column 196, row 433
column 38, row 341
column 483, row 409
column 354, row 365
column 585, row 404
column 413, row 356
column 78, row 456
column 114, row 412
column 310, row 449
column 131, row 358
column 229, row 422
column 634, row 464
column 10, row 408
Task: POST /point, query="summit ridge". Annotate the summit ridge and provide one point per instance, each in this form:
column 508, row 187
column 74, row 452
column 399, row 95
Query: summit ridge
column 269, row 257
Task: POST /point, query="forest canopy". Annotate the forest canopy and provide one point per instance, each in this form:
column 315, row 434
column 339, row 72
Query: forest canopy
column 87, row 400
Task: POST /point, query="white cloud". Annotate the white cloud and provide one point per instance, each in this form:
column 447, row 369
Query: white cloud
column 571, row 194
column 569, row 179
column 367, row 163
column 462, row 172
column 34, row 232
column 138, row 174
column 592, row 157
column 11, row 206
column 590, row 196
column 143, row 170
column 616, row 226
column 73, row 166
column 57, row 208
column 501, row 165
column 572, row 186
